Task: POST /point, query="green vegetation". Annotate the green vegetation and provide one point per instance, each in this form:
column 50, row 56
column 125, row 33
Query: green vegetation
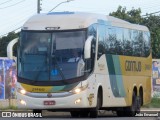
column 155, row 103
column 4, row 42
column 9, row 108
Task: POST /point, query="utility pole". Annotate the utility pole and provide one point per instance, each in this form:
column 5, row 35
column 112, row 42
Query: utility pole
column 38, row 6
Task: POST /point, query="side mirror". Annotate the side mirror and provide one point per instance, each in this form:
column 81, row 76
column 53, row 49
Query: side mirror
column 87, row 47
column 10, row 48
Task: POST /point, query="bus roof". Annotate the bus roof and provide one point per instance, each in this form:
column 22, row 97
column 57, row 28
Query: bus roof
column 74, row 20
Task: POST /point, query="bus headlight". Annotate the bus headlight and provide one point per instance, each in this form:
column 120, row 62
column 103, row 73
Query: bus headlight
column 79, row 89
column 22, row 91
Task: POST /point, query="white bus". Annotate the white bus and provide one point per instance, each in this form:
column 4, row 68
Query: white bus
column 82, row 63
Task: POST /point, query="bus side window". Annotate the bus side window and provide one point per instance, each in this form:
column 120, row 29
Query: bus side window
column 101, row 40
column 146, row 37
column 127, row 42
column 111, row 41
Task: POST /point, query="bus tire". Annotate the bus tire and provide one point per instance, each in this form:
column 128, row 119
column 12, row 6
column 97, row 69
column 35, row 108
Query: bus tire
column 133, row 108
column 120, row 112
column 138, row 104
column 84, row 113
column 37, row 111
column 94, row 112
column 141, row 97
column 75, row 114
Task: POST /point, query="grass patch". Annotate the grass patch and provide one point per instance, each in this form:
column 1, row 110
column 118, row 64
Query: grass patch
column 155, row 103
column 9, row 108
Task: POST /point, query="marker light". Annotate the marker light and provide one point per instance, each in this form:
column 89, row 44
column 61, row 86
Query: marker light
column 77, row 101
column 22, row 102
column 22, row 91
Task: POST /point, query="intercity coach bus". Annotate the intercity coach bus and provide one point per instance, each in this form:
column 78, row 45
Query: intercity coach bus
column 82, row 63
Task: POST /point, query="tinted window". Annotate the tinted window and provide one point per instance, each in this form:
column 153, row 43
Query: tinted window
column 119, row 41
column 111, row 41
column 122, row 41
column 146, row 37
column 127, row 42
column 101, row 40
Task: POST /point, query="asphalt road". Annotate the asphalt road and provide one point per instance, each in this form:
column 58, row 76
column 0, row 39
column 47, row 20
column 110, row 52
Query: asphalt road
column 104, row 115
column 100, row 118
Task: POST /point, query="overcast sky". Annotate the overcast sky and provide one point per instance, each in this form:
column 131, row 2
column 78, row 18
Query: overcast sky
column 13, row 13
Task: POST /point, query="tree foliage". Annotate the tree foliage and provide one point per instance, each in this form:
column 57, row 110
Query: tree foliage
column 4, row 42
column 151, row 21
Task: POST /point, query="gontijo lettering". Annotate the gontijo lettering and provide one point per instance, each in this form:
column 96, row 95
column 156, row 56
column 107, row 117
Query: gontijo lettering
column 134, row 66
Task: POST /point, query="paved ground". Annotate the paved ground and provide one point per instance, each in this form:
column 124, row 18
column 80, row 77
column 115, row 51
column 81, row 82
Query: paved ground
column 100, row 118
column 103, row 115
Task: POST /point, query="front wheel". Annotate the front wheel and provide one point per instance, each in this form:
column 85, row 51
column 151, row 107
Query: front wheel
column 37, row 111
column 94, row 112
column 75, row 114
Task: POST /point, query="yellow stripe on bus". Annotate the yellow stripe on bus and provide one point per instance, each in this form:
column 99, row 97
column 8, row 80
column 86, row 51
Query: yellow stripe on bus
column 38, row 89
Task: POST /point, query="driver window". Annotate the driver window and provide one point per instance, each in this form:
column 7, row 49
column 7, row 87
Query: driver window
column 92, row 31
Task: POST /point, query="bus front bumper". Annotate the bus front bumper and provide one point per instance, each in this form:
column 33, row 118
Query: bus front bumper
column 72, row 101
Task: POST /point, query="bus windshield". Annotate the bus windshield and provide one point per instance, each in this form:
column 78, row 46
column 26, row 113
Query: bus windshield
column 51, row 56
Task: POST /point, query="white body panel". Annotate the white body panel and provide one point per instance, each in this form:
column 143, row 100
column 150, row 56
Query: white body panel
column 71, row 20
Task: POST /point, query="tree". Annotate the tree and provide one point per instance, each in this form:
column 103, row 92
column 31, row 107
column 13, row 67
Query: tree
column 153, row 23
column 4, row 42
column 133, row 16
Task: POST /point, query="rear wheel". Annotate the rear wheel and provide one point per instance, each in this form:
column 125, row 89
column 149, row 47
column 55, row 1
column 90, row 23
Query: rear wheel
column 141, row 97
column 120, row 112
column 138, row 104
column 133, row 108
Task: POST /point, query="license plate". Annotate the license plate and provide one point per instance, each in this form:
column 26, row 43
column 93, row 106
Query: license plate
column 49, row 102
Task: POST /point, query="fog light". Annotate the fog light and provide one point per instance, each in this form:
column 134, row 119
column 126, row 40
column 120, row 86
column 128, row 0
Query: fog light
column 77, row 101
column 23, row 92
column 22, row 102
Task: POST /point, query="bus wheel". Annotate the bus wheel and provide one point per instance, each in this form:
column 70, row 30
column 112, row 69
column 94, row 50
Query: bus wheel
column 37, row 111
column 141, row 98
column 133, row 108
column 84, row 113
column 94, row 112
column 75, row 114
column 120, row 112
column 138, row 104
